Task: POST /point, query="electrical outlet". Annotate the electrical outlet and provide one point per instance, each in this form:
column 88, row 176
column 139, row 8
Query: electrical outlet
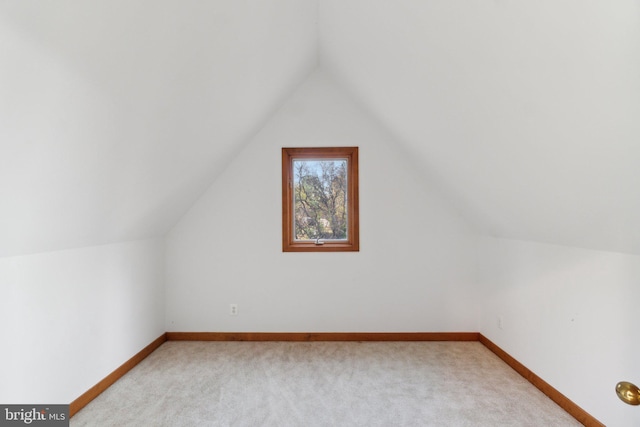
column 500, row 322
column 233, row 309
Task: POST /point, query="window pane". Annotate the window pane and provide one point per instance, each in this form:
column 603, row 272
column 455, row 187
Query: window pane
column 320, row 199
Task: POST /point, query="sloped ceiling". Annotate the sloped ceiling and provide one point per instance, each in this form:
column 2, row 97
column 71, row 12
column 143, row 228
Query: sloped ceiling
column 116, row 115
column 526, row 113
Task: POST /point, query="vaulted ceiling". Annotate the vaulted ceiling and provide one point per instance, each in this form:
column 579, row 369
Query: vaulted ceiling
column 526, row 113
column 116, row 115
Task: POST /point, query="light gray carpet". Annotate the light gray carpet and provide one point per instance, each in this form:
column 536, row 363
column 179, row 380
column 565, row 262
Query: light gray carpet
column 322, row 384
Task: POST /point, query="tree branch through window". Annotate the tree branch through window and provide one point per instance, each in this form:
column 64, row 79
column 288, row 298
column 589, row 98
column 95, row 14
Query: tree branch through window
column 320, row 199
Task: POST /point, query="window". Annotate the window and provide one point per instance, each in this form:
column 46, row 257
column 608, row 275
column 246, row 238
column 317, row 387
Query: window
column 320, row 199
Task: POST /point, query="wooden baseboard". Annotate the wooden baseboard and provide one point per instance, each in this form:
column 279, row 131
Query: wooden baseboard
column 560, row 399
column 322, row 336
column 94, row 391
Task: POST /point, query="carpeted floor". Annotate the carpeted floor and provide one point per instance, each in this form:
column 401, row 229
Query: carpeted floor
column 322, row 384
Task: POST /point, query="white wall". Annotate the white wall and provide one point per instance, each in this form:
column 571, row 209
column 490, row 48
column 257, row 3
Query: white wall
column 69, row 318
column 570, row 315
column 414, row 271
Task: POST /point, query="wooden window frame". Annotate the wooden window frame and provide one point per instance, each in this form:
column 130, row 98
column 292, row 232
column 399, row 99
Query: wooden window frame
column 352, row 243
